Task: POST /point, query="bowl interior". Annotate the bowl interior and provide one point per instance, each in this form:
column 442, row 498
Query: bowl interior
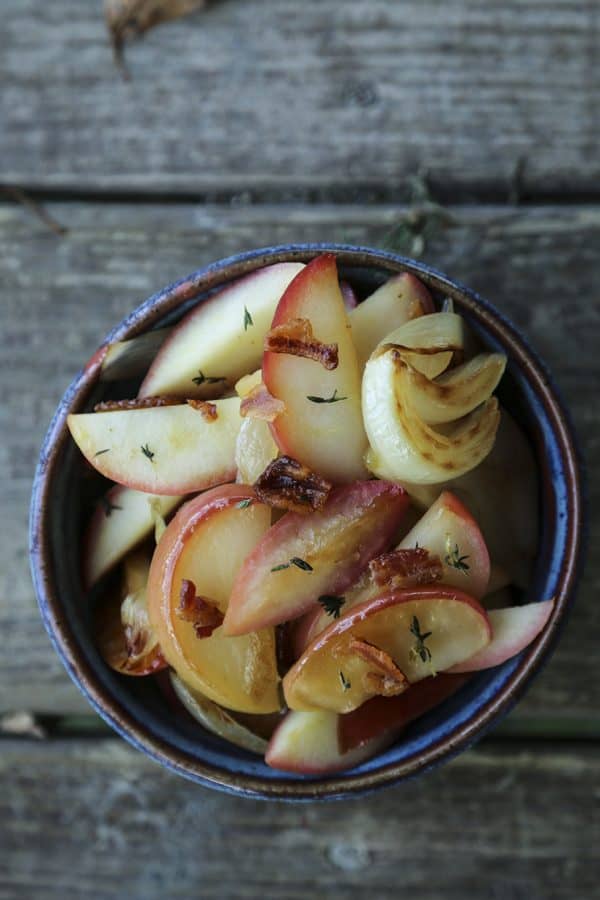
column 138, row 709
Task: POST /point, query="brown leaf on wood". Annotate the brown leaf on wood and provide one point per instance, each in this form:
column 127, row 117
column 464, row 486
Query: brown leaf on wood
column 129, row 19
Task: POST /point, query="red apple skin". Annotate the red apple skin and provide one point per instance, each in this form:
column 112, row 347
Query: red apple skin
column 349, row 295
column 390, row 715
column 271, row 550
column 513, row 629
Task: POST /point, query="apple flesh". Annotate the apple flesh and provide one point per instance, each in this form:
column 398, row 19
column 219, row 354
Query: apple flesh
column 331, row 547
column 163, row 449
column 308, row 743
column 221, row 339
column 402, row 298
column 330, row 675
column 255, row 447
column 122, row 518
column 513, row 629
column 207, row 543
column 326, row 434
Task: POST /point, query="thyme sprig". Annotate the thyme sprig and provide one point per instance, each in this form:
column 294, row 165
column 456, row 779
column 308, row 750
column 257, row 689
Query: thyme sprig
column 333, row 399
column 453, row 557
column 419, row 649
column 294, row 561
column 247, row 319
column 201, row 378
column 346, row 684
column 148, row 453
column 332, row 604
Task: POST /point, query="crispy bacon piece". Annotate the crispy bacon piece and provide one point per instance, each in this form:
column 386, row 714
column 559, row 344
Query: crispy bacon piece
column 384, row 677
column 405, row 568
column 287, row 484
column 297, row 339
column 260, row 404
column 206, row 409
column 136, row 403
column 200, row 611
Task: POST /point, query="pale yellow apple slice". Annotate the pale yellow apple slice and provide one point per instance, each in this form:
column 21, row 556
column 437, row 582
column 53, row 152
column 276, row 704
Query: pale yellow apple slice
column 423, row 630
column 128, row 359
column 401, row 298
column 206, row 543
column 322, row 425
column 122, row 518
column 215, row 719
column 428, row 342
column 222, row 338
column 162, row 450
column 403, row 447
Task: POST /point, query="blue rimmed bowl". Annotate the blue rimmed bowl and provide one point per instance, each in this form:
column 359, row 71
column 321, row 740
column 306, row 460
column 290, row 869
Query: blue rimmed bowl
column 141, row 713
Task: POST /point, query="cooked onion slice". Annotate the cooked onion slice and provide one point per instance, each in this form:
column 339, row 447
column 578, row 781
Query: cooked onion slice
column 457, row 392
column 403, row 446
column 126, row 639
column 432, row 339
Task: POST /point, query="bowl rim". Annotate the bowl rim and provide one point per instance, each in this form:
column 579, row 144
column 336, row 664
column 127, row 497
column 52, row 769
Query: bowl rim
column 147, row 315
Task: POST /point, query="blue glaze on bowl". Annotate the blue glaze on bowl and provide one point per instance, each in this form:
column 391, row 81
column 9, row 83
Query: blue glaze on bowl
column 138, row 711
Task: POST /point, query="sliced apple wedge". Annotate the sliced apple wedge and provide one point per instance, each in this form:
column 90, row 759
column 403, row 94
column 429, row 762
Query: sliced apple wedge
column 322, row 424
column 131, row 358
column 403, row 447
column 221, row 339
column 122, row 518
column 215, row 719
column 421, row 631
column 305, row 556
column 456, row 393
column 205, row 545
column 349, row 295
column 163, row 450
column 402, row 298
column 449, row 531
column 308, row 743
column 513, row 629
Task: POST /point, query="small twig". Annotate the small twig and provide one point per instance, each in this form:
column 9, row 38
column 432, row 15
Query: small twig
column 516, row 181
column 19, row 196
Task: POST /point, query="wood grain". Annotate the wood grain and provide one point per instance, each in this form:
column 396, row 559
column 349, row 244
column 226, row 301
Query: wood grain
column 506, row 825
column 61, row 295
column 269, row 95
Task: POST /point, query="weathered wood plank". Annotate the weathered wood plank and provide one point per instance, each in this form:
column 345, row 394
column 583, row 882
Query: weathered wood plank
column 61, row 295
column 101, row 821
column 270, row 93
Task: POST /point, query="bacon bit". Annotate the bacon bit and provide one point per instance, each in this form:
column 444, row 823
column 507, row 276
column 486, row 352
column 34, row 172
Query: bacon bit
column 207, row 410
column 200, row 611
column 287, row 484
column 137, row 403
column 384, row 677
column 296, row 338
column 260, row 404
column 404, row 568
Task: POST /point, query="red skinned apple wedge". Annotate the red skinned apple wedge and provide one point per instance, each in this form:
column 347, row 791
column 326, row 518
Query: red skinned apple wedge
column 322, row 423
column 221, row 339
column 176, row 449
column 513, row 629
column 420, row 631
column 304, row 556
column 205, row 546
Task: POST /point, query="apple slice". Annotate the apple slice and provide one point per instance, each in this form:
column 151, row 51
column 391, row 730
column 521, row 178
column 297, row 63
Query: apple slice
column 308, row 743
column 513, row 629
column 422, row 631
column 162, row 450
column 206, row 544
column 403, row 447
column 449, row 531
column 122, row 518
column 305, row 556
column 389, row 716
column 215, row 719
column 131, row 358
column 126, row 640
column 322, row 422
column 221, row 339
column 402, row 298
column 349, row 295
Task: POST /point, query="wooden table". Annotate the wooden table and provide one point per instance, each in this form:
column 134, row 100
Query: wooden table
column 259, row 122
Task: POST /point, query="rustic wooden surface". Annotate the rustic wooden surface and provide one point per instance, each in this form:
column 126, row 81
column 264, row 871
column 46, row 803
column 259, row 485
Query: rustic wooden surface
column 260, row 122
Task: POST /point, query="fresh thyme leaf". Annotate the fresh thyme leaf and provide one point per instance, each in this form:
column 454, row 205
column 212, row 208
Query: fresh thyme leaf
column 244, row 504
column 420, row 650
column 454, row 559
column 107, row 506
column 333, row 399
column 247, row 319
column 332, row 604
column 280, row 567
column 201, row 378
column 345, row 683
column 100, row 452
column 294, row 561
column 147, row 452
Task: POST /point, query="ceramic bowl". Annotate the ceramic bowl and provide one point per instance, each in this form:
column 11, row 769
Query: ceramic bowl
column 137, row 709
